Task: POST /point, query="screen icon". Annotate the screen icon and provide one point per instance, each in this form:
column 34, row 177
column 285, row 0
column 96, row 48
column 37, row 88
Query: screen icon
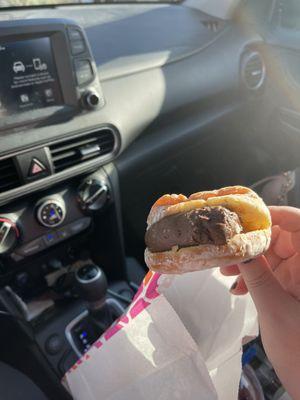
column 24, row 98
column 49, row 93
column 38, row 65
column 18, row 66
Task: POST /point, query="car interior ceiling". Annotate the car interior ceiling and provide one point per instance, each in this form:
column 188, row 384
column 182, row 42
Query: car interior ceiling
column 104, row 108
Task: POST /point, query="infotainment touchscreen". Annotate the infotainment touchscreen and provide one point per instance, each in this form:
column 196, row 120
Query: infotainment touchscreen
column 28, row 76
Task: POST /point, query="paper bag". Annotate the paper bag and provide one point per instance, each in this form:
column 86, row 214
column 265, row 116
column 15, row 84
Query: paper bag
column 180, row 339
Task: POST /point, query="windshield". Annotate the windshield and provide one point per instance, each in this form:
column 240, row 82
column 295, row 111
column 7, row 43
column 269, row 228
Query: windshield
column 24, row 3
column 28, row 3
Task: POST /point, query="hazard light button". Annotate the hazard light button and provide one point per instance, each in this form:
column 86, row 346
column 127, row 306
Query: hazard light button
column 36, row 167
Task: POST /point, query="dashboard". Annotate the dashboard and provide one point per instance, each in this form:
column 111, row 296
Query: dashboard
column 102, row 74
column 48, row 76
column 79, row 93
column 116, row 83
column 70, row 104
column 105, row 107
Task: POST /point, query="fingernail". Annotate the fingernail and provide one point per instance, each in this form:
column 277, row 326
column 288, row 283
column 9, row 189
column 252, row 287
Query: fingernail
column 234, row 286
column 248, row 261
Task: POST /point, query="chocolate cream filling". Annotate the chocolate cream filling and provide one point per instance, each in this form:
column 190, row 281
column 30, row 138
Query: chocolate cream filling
column 208, row 225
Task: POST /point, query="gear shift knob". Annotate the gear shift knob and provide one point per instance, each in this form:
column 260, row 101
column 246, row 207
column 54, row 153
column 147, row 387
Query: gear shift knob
column 92, row 285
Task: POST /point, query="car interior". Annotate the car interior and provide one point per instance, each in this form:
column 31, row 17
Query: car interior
column 104, row 107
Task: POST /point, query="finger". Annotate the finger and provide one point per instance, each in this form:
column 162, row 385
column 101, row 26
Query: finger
column 295, row 240
column 288, row 274
column 268, row 295
column 272, row 258
column 275, row 233
column 239, row 287
column 230, row 270
column 283, row 247
column 288, row 218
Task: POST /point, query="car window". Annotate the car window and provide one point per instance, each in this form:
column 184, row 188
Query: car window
column 30, row 3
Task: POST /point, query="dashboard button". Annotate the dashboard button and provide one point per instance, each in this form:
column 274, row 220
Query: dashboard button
column 16, row 257
column 80, row 225
column 84, row 71
column 78, row 47
column 36, row 167
column 75, row 34
column 31, row 248
column 91, row 100
column 54, row 344
column 63, row 234
column 51, row 212
column 22, row 280
column 50, row 238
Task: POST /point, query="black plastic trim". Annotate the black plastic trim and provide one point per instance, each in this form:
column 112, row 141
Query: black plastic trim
column 80, row 169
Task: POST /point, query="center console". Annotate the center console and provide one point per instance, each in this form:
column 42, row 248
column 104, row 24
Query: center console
column 51, row 246
column 63, row 276
column 51, row 107
column 29, row 226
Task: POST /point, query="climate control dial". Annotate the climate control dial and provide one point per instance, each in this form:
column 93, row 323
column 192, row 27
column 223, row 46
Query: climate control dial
column 9, row 235
column 93, row 194
column 51, row 212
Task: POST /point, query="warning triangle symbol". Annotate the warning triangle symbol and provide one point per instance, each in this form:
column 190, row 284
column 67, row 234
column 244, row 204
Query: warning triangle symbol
column 36, row 167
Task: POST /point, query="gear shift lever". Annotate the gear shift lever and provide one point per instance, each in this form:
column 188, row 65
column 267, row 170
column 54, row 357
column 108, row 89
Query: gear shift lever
column 92, row 286
column 84, row 330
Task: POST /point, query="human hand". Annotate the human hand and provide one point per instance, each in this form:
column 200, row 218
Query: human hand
column 273, row 281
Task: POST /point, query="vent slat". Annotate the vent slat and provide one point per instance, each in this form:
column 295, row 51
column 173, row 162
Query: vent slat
column 254, row 71
column 4, row 168
column 7, row 175
column 70, row 146
column 63, row 155
column 67, row 151
column 8, row 185
column 70, row 153
column 60, row 166
column 212, row 25
column 9, row 178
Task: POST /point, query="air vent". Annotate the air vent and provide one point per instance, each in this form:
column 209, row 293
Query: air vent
column 213, row 25
column 9, row 178
column 82, row 148
column 253, row 70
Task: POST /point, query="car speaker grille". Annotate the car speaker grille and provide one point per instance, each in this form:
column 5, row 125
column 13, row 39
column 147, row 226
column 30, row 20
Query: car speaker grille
column 253, row 71
column 9, row 178
column 77, row 150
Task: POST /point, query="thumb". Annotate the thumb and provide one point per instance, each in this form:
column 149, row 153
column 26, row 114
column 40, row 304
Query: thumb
column 265, row 290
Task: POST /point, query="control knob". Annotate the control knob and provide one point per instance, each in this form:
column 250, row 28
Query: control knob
column 93, row 194
column 92, row 285
column 91, row 100
column 9, row 235
column 51, row 212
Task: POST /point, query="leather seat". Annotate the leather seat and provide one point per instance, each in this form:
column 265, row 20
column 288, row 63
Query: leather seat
column 14, row 385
